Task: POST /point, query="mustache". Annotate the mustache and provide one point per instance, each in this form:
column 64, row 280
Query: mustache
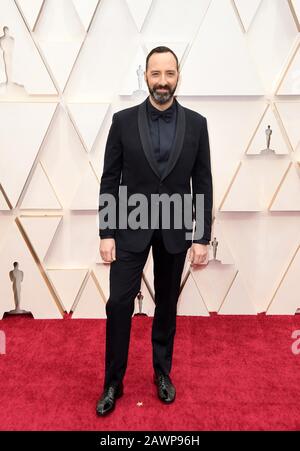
column 162, row 87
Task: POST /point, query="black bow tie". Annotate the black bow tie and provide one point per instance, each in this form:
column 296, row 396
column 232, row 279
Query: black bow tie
column 165, row 115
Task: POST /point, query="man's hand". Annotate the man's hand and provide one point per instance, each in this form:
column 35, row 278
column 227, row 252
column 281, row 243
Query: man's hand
column 198, row 254
column 108, row 249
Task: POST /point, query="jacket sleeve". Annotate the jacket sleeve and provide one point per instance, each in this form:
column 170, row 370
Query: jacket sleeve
column 112, row 168
column 202, row 183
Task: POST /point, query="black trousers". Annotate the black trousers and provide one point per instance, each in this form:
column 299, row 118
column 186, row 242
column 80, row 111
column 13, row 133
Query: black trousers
column 125, row 282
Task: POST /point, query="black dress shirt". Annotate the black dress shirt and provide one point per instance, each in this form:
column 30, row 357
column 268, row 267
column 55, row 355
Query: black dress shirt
column 162, row 132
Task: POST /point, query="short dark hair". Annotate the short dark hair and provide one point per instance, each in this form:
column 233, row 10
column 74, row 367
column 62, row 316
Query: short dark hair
column 161, row 49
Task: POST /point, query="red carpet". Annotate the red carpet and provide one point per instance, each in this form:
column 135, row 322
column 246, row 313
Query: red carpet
column 231, row 373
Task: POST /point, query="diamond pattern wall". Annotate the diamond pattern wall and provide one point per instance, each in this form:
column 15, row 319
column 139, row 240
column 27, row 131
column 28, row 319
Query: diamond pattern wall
column 67, row 65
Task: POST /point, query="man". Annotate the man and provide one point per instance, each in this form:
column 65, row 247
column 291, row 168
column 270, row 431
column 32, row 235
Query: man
column 157, row 148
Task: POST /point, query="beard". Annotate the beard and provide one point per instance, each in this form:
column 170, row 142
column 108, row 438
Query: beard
column 160, row 96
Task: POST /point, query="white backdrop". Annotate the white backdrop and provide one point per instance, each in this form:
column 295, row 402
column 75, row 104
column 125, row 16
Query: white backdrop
column 74, row 64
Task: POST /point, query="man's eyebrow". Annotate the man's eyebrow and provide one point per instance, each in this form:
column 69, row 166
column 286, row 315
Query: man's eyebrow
column 168, row 70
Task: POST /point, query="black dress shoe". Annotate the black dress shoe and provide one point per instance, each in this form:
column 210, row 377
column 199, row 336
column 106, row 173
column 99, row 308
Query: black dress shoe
column 108, row 398
column 165, row 389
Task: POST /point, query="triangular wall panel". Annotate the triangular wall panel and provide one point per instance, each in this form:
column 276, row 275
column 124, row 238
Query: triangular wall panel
column 30, row 9
column 225, row 66
column 237, row 300
column 60, row 34
column 86, row 10
column 3, row 202
column 291, row 83
column 67, row 283
column 101, row 272
column 247, row 11
column 24, row 126
column 63, row 157
column 88, row 118
column 295, row 7
column 30, row 75
column 286, row 300
column 260, row 144
column 40, row 193
column 254, row 185
column 214, row 282
column 87, row 193
column 35, row 295
column 90, row 304
column 134, row 77
column 33, row 226
column 190, row 301
column 290, row 116
column 288, row 196
column 139, row 10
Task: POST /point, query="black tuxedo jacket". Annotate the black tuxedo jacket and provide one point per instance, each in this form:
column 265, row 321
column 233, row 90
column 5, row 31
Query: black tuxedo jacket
column 129, row 160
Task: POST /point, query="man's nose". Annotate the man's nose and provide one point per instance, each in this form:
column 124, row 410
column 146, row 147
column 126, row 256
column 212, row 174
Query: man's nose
column 162, row 80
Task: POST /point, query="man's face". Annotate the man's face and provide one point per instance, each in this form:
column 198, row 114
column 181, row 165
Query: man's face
column 162, row 76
